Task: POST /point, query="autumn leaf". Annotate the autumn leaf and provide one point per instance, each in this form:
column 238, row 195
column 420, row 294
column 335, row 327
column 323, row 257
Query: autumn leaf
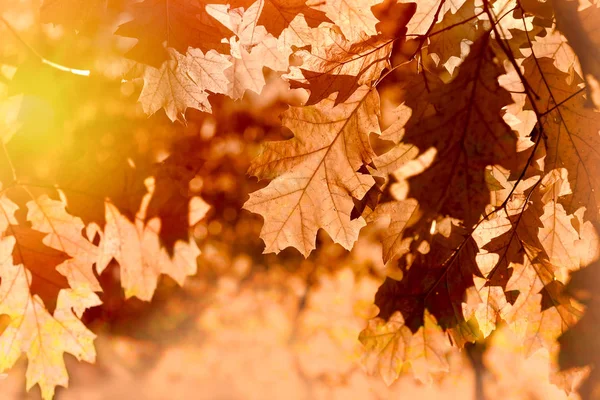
column 398, row 215
column 437, row 282
column 353, row 17
column 137, row 248
column 449, row 36
column 539, row 310
column 581, row 30
column 461, row 131
column 571, row 133
column 391, row 348
column 428, row 13
column 414, row 95
column 246, row 70
column 468, row 133
column 554, row 45
column 171, row 88
column 206, row 70
column 64, row 233
column 180, row 23
column 277, row 15
column 335, row 64
column 315, row 173
column 44, row 337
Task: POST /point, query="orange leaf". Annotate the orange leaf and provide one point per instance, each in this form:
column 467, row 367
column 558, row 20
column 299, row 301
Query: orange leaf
column 315, row 173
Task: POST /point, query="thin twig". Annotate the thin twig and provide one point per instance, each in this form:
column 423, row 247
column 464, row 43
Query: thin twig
column 43, row 60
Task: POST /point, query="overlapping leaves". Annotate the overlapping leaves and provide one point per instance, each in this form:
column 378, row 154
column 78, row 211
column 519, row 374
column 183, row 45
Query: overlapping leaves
column 486, row 218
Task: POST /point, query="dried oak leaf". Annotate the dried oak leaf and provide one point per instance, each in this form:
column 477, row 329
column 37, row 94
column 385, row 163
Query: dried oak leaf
column 554, row 45
column 540, row 312
column 539, row 8
column 42, row 336
column 32, row 265
column 398, row 215
column 448, row 36
column 468, row 133
column 206, row 69
column 278, row 15
column 172, row 88
column 170, row 201
column 571, row 133
column 246, row 70
column 580, row 27
column 437, row 282
column 252, row 48
column 136, row 246
column 315, row 173
column 177, row 23
column 52, row 249
column 428, row 13
column 64, row 233
column 391, row 347
column 334, row 64
column 413, row 91
column 354, row 17
column 580, row 345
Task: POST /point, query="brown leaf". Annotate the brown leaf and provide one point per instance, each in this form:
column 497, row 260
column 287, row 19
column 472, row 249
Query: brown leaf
column 335, row 64
column 171, row 88
column 353, row 17
column 314, row 173
column 580, row 27
column 428, row 13
column 178, row 23
column 392, row 347
column 398, row 215
column 437, row 282
column 571, row 133
column 44, row 337
column 447, row 37
column 468, row 133
column 137, row 248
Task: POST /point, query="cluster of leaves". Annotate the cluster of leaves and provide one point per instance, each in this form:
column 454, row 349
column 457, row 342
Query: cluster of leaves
column 482, row 161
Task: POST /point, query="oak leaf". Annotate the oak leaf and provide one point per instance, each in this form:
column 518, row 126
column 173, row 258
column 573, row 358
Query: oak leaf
column 571, row 133
column 177, row 23
column 539, row 310
column 64, row 233
column 436, row 281
column 335, row 64
column 414, row 94
column 315, row 173
column 277, row 15
column 554, row 45
column 468, row 134
column 428, row 13
column 171, row 88
column 353, row 17
column 391, row 348
column 246, row 70
column 397, row 215
column 44, row 337
column 580, row 27
column 206, row 69
column 137, row 248
column 449, row 36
